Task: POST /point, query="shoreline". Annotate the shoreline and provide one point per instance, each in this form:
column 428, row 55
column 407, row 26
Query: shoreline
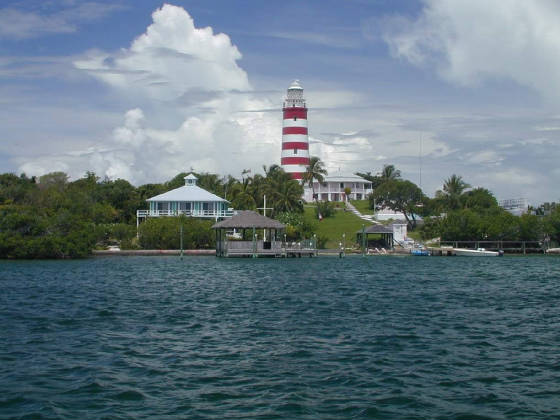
column 151, row 252
column 207, row 252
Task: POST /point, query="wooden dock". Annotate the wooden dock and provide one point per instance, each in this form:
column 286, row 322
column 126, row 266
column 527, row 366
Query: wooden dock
column 260, row 248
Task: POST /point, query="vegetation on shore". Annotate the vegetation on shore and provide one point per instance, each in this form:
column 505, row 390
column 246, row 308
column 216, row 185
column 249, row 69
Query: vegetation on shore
column 51, row 217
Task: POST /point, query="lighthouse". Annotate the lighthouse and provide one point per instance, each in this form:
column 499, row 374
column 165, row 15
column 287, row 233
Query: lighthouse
column 295, row 143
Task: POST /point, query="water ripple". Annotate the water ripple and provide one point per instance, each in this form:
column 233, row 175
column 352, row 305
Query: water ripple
column 157, row 337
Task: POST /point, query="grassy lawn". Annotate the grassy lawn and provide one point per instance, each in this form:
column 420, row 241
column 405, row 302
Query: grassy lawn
column 362, row 206
column 333, row 227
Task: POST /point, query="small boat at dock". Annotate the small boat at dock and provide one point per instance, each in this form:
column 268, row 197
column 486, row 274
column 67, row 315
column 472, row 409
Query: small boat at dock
column 479, row 252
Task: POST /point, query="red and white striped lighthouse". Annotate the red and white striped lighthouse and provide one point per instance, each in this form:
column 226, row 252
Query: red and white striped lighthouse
column 295, row 144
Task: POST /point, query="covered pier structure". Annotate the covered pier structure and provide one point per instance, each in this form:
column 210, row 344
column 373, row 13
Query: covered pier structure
column 250, row 234
column 384, row 236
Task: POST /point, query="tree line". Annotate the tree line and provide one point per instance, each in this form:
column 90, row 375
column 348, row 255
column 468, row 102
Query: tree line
column 52, row 217
column 459, row 212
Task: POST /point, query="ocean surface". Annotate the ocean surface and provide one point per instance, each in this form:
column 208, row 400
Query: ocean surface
column 209, row 338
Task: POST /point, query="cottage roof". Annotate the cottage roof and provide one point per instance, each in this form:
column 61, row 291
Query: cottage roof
column 377, row 229
column 187, row 193
column 249, row 219
column 344, row 177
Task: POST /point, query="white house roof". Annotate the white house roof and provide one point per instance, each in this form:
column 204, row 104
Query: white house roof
column 187, row 193
column 344, row 177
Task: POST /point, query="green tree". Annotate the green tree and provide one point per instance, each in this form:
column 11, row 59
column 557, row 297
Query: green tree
column 552, row 225
column 400, row 196
column 57, row 180
column 453, row 188
column 284, row 192
column 479, row 199
column 243, row 195
column 374, row 179
column 164, row 233
column 461, row 225
column 14, row 189
column 390, row 172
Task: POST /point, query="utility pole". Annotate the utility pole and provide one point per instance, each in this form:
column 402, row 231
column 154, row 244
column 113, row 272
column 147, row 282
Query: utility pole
column 264, row 209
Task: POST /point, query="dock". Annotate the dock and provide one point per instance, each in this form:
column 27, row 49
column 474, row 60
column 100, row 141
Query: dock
column 260, row 248
column 447, row 248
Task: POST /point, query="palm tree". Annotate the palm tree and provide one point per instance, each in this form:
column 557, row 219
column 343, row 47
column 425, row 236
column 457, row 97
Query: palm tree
column 315, row 172
column 284, row 192
column 455, row 185
column 242, row 197
column 390, row 172
column 453, row 188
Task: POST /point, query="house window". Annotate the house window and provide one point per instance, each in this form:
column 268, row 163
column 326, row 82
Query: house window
column 342, row 185
column 205, row 206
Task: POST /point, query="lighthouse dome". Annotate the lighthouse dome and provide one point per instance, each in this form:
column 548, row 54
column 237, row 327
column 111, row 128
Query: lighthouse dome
column 295, row 85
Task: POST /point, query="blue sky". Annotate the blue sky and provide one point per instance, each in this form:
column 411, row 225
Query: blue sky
column 142, row 90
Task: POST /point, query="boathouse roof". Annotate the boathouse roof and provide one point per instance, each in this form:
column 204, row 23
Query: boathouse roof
column 377, row 229
column 249, row 219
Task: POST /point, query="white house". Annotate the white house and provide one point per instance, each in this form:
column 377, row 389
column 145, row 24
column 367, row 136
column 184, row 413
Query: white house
column 516, row 206
column 332, row 188
column 190, row 200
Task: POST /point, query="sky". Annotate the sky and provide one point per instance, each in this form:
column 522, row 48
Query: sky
column 143, row 90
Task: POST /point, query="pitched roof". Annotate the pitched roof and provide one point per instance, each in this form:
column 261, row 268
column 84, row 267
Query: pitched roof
column 249, row 219
column 187, row 193
column 377, row 229
column 344, row 177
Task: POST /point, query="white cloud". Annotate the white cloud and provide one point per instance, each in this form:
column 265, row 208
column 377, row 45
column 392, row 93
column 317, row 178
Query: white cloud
column 487, row 157
column 175, row 67
column 169, row 59
column 475, row 40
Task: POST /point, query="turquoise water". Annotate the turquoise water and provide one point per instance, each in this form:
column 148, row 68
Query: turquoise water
column 377, row 337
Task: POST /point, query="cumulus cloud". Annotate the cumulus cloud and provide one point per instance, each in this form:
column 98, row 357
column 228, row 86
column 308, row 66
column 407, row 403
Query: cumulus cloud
column 474, row 40
column 177, row 68
column 169, row 59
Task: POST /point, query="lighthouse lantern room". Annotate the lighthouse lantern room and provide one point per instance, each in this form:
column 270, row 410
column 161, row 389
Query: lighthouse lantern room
column 295, row 143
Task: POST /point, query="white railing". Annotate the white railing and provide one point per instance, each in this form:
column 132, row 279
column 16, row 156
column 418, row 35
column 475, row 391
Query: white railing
column 324, row 190
column 246, row 247
column 192, row 213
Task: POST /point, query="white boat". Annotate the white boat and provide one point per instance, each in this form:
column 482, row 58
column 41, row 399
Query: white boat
column 480, row 252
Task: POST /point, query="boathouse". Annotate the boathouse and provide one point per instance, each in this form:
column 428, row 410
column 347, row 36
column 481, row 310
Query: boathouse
column 383, row 236
column 247, row 234
column 250, row 234
column 188, row 200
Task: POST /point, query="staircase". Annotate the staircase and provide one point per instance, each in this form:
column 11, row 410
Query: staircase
column 367, row 217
